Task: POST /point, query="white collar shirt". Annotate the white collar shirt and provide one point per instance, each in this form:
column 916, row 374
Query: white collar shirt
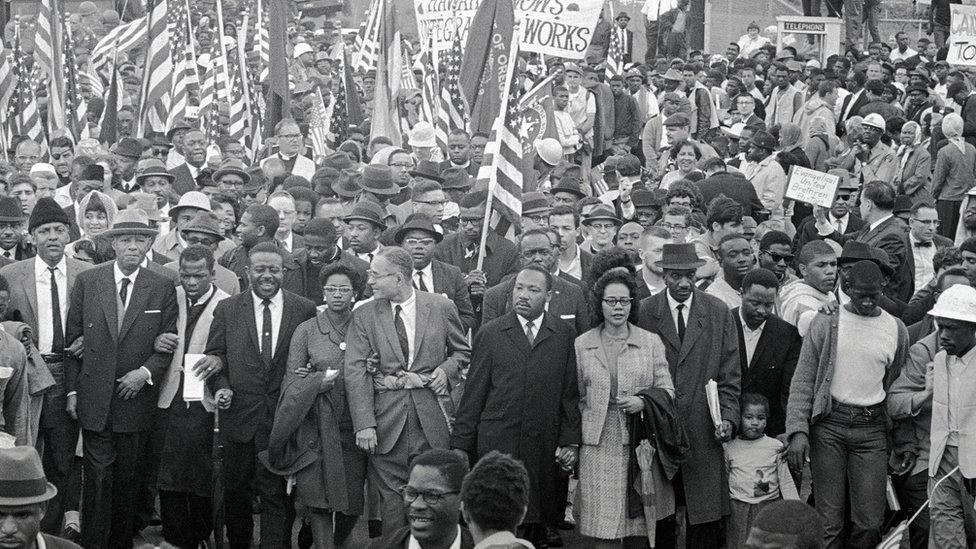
column 751, row 338
column 673, row 306
column 408, row 313
column 45, row 311
column 277, row 307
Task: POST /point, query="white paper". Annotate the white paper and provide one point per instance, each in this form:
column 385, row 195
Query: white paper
column 192, row 385
column 811, row 186
column 711, row 392
column 331, row 374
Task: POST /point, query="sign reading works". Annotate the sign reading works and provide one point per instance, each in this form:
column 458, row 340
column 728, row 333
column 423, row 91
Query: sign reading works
column 561, row 28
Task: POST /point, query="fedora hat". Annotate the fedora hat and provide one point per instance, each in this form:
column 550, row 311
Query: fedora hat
column 569, row 181
column 534, row 202
column 455, row 179
column 128, row 147
column 643, row 198
column 232, row 166
column 601, row 212
column 367, row 210
column 673, row 75
column 417, row 222
column 428, row 170
column 204, row 222
column 131, row 221
column 178, row 124
column 339, row 160
column 677, row 120
column 854, row 251
column 379, row 180
column 156, row 169
column 764, row 140
column 10, row 210
column 22, row 480
column 192, row 199
column 348, row 184
column 682, row 257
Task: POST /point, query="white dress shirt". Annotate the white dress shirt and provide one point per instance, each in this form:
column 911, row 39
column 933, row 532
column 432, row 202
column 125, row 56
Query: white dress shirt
column 119, row 275
column 288, row 242
column 536, row 322
column 428, row 274
column 45, row 312
column 751, row 338
column 277, row 308
column 924, row 270
column 840, row 223
column 573, row 268
column 874, row 225
column 673, row 305
column 414, row 544
column 408, row 313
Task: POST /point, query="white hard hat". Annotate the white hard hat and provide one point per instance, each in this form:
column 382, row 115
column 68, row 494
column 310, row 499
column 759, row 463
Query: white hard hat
column 957, row 303
column 422, row 135
column 300, row 49
column 42, row 167
column 549, row 150
column 874, row 120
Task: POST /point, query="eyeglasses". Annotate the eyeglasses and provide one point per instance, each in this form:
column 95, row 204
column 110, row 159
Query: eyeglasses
column 410, row 495
column 470, row 221
column 418, row 242
column 614, row 301
column 603, row 227
column 341, row 290
column 537, row 251
column 198, row 240
column 778, row 257
column 673, row 227
column 843, row 196
column 402, row 164
column 431, row 202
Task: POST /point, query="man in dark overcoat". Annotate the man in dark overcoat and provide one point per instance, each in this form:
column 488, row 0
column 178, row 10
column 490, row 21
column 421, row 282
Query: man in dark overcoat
column 521, row 396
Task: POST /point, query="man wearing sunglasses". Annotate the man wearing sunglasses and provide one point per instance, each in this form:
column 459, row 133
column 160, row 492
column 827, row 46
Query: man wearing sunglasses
column 776, row 254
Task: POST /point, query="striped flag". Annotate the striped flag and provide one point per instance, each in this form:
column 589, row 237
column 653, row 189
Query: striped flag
column 47, row 51
column 261, row 40
column 119, row 40
column 319, row 125
column 431, row 86
column 453, row 112
column 367, row 55
column 75, row 106
column 8, row 81
column 389, row 74
column 157, row 81
column 24, row 115
column 185, row 81
column 501, row 169
column 615, row 57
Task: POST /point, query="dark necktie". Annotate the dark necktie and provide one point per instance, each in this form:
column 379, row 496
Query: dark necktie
column 681, row 322
column 529, row 333
column 266, row 332
column 125, row 290
column 420, row 282
column 401, row 330
column 57, row 329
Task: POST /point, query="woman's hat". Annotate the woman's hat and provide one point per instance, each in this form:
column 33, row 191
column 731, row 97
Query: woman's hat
column 679, row 257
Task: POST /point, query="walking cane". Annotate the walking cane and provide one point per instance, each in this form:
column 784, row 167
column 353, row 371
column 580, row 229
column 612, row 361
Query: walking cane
column 217, row 455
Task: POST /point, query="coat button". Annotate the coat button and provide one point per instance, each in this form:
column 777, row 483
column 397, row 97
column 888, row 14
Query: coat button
column 681, row 394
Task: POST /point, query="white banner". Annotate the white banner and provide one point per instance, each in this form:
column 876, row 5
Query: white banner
column 962, row 36
column 551, row 27
column 811, row 186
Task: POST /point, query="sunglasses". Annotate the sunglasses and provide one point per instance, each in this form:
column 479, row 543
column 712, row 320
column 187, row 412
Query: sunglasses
column 779, row 257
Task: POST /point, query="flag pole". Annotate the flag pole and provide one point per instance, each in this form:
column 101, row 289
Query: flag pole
column 499, row 122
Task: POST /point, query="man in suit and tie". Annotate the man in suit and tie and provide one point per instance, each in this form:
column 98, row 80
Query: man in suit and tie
column 258, row 225
column 419, row 237
column 539, row 247
column 840, row 214
column 195, row 152
column 923, row 223
column 700, row 341
column 251, row 364
column 525, row 356
column 40, row 299
column 854, row 100
column 124, row 157
column 405, row 350
column 573, row 260
column 881, row 230
column 290, row 145
column 321, row 250
column 768, row 346
column 185, row 478
column 625, row 37
column 118, row 309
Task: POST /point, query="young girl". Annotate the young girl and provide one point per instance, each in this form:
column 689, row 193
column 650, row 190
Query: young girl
column 757, row 473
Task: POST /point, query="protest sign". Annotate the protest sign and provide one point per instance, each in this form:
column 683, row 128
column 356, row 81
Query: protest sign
column 550, row 27
column 811, row 186
column 962, row 36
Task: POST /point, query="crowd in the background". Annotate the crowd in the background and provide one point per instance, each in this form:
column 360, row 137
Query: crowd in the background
column 196, row 333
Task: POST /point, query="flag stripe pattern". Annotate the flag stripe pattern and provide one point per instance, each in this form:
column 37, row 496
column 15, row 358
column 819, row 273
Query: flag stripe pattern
column 183, row 61
column 368, row 54
column 159, row 68
column 615, row 57
column 24, row 115
column 118, row 40
column 47, row 51
column 453, row 110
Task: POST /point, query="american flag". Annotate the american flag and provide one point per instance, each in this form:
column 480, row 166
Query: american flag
column 237, row 103
column 431, row 86
column 24, row 116
column 453, row 113
column 157, row 82
column 119, row 40
column 47, row 51
column 339, row 125
column 319, row 125
column 185, row 82
column 501, row 170
column 8, row 81
column 76, row 107
column 615, row 57
column 261, row 41
column 368, row 40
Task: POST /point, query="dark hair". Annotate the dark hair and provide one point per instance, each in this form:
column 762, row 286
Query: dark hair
column 762, row 277
column 774, row 237
column 794, row 518
column 881, row 193
column 268, row 247
column 98, row 248
column 753, row 399
column 686, row 189
column 62, row 142
column 947, row 257
column 538, row 231
column 968, row 245
column 812, row 249
column 723, row 209
column 713, row 163
column 676, row 148
column 728, row 238
column 424, row 186
column 616, row 275
column 196, row 252
column 495, row 493
column 354, row 275
column 563, row 209
column 227, row 200
column 539, row 269
column 449, row 464
column 606, row 260
column 265, row 216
